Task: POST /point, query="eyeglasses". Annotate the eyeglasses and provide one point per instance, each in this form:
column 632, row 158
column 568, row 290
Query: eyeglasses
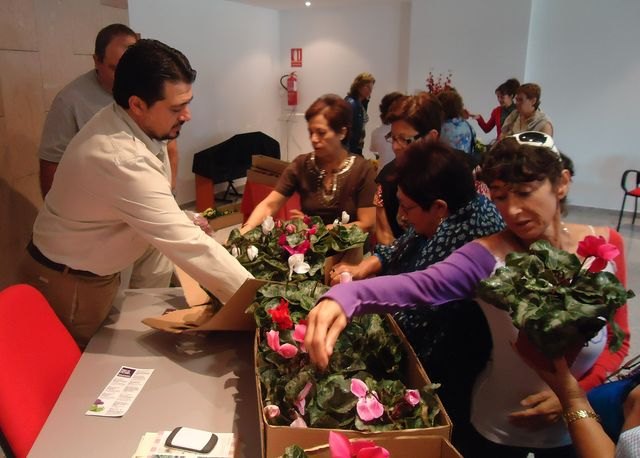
column 401, row 140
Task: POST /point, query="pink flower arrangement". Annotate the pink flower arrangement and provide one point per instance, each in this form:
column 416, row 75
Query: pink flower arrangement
column 435, row 85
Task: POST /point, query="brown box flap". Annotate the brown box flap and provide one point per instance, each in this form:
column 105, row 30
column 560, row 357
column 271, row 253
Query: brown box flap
column 268, row 164
column 231, row 317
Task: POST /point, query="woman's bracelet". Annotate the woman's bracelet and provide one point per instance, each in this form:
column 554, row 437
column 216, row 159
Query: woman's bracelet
column 576, row 415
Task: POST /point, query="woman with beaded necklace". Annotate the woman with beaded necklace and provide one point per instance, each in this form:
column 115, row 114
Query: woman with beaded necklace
column 329, row 180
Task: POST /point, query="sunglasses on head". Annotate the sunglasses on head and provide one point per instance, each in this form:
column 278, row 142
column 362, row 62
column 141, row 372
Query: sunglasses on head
column 536, row 139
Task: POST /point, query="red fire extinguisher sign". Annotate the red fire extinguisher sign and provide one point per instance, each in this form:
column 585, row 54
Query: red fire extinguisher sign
column 296, row 57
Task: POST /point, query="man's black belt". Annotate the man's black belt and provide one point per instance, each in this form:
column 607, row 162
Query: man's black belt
column 37, row 255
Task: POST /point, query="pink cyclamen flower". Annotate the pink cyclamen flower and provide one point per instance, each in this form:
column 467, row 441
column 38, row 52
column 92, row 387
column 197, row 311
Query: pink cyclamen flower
column 600, row 249
column 368, row 406
column 340, row 447
column 412, row 397
column 312, row 231
column 299, row 332
column 301, row 248
column 285, row 350
column 298, row 423
column 301, row 401
column 290, row 228
column 271, row 411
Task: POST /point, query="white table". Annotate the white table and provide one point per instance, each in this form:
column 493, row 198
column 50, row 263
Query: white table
column 213, row 390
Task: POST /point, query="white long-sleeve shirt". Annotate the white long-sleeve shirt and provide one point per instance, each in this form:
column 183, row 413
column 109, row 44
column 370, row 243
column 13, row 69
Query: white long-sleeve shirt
column 111, row 198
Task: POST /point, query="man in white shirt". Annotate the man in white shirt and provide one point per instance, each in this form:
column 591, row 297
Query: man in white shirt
column 111, row 198
column 72, row 108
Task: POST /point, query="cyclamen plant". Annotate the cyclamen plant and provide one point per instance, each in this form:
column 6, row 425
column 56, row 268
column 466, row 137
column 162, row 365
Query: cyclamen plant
column 435, row 85
column 341, row 447
column 558, row 303
column 362, row 388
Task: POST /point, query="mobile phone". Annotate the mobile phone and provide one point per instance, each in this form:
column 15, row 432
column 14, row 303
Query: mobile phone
column 194, row 440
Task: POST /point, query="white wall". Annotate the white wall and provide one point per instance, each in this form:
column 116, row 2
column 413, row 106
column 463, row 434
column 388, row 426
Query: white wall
column 234, row 48
column 584, row 54
column 338, row 43
column 482, row 43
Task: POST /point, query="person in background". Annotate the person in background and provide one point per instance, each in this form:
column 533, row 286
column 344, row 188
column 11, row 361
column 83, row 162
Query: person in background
column 111, row 198
column 505, row 94
column 438, row 199
column 456, row 131
column 358, row 97
column 379, row 144
column 72, row 108
column 412, row 118
column 513, row 412
column 527, row 116
column 330, row 180
column 589, row 438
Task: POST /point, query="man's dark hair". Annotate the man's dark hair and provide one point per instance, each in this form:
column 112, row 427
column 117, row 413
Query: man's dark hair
column 144, row 68
column 106, row 35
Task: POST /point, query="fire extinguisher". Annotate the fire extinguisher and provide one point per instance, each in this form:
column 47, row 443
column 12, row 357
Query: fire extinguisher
column 291, row 87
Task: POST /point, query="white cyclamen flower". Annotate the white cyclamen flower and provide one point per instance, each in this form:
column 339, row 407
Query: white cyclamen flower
column 268, row 224
column 344, row 219
column 297, row 265
column 235, row 252
column 252, row 252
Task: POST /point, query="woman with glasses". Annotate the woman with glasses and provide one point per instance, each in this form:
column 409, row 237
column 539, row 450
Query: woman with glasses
column 437, row 198
column 412, row 118
column 329, row 179
column 528, row 116
column 513, row 412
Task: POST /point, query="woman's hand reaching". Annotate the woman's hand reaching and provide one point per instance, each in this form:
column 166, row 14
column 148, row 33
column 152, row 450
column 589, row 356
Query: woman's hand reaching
column 325, row 322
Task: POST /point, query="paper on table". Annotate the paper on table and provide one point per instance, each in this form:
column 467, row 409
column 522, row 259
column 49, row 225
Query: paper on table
column 152, row 446
column 119, row 394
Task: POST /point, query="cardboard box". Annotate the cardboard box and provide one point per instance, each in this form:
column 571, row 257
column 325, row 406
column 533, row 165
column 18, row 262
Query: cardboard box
column 268, row 164
column 403, row 447
column 262, row 177
column 275, row 439
column 231, row 317
column 233, row 218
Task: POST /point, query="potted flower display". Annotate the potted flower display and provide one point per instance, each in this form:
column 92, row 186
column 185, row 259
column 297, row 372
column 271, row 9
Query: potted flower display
column 363, row 388
column 557, row 302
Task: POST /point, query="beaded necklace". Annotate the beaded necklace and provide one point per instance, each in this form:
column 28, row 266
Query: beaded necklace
column 328, row 196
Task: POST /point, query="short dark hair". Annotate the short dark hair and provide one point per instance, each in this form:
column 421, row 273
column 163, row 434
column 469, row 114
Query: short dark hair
column 451, row 102
column 144, row 68
column 386, row 102
column 334, row 108
column 422, row 111
column 509, row 87
column 430, row 170
column 106, row 35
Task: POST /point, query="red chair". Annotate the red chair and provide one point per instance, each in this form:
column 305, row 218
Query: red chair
column 37, row 356
column 630, row 191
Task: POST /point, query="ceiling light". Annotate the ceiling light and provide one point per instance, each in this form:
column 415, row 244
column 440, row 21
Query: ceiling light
column 307, row 3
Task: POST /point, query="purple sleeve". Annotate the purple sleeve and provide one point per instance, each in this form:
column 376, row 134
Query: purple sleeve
column 454, row 278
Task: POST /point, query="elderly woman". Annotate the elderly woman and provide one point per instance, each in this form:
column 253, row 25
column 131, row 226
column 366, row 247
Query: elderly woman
column 358, row 97
column 528, row 115
column 438, row 199
column 505, row 94
column 513, row 412
column 329, row 179
column 412, row 118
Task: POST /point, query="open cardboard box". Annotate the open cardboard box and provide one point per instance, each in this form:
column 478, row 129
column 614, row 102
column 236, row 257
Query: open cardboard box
column 275, row 439
column 233, row 218
column 403, row 447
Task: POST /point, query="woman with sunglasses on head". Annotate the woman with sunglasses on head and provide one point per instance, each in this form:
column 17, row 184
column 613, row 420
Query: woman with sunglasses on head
column 330, row 180
column 412, row 117
column 527, row 116
column 513, row 412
